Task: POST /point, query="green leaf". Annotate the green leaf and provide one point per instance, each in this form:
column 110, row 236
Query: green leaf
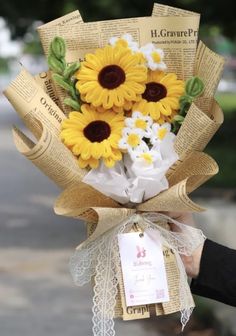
column 194, row 87
column 185, row 99
column 71, row 69
column 60, row 81
column 175, row 127
column 184, row 107
column 55, row 65
column 179, row 118
column 72, row 103
column 73, row 92
column 58, row 47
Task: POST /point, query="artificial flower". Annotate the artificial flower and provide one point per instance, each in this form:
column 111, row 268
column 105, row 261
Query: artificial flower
column 126, row 41
column 154, row 57
column 161, row 96
column 93, row 136
column 146, row 159
column 119, row 109
column 111, row 76
column 132, row 139
column 159, row 132
column 139, row 121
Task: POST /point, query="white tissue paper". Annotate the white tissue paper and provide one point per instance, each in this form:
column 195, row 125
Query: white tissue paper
column 135, row 181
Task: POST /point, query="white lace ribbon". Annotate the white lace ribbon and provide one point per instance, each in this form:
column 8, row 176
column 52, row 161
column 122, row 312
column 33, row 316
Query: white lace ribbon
column 98, row 258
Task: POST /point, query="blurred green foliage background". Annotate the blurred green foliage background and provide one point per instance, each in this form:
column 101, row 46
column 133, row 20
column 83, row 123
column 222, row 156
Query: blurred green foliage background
column 21, row 14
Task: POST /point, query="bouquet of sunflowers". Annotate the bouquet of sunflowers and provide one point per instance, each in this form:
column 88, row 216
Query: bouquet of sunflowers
column 122, row 128
column 123, row 134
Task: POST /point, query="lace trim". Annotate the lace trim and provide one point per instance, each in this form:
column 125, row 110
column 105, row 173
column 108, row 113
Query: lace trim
column 99, row 258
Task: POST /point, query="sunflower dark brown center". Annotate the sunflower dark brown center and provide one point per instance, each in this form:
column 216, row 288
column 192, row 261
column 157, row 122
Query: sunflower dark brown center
column 154, row 92
column 97, row 131
column 111, row 76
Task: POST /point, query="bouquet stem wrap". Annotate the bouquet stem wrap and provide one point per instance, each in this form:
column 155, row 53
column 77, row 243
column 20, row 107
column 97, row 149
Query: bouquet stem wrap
column 99, row 258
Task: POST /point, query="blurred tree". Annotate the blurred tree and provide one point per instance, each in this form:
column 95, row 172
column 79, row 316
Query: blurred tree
column 21, row 14
column 4, row 67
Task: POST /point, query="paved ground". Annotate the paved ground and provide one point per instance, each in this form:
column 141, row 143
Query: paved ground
column 37, row 296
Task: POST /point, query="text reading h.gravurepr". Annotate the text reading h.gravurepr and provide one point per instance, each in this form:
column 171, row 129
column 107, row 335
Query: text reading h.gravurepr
column 174, row 33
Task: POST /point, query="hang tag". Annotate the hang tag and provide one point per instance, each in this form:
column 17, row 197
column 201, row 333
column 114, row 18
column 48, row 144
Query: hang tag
column 143, row 268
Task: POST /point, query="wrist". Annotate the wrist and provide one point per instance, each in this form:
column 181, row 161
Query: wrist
column 196, row 261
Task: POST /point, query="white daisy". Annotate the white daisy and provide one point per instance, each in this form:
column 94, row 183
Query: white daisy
column 132, row 139
column 126, row 40
column 140, row 121
column 154, row 57
column 146, row 159
column 160, row 132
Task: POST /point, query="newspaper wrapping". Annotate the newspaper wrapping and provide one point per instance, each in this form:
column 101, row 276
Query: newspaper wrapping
column 39, row 101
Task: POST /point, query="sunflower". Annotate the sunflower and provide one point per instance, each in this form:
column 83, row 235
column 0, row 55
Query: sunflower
column 127, row 107
column 111, row 76
column 122, row 109
column 92, row 136
column 160, row 99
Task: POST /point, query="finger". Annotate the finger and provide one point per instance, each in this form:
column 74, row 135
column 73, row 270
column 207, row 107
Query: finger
column 176, row 216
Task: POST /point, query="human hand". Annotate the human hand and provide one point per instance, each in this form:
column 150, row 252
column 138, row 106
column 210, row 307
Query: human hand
column 191, row 263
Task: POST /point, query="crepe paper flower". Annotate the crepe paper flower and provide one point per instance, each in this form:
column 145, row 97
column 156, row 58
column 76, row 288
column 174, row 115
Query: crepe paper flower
column 154, row 57
column 160, row 132
column 161, row 97
column 146, row 159
column 126, row 41
column 111, row 76
column 92, row 136
column 139, row 121
column 132, row 139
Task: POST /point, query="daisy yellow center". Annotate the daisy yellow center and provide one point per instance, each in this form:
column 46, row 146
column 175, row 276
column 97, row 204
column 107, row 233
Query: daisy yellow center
column 154, row 92
column 156, row 57
column 139, row 123
column 147, row 157
column 161, row 133
column 97, row 131
column 133, row 140
column 122, row 43
column 111, row 76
